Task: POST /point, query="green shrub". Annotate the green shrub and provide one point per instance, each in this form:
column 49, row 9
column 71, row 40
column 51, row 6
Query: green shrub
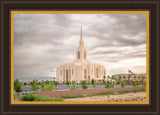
column 117, row 82
column 32, row 97
column 122, row 84
column 42, row 84
column 19, row 89
column 84, row 86
column 47, row 82
column 135, row 84
column 144, row 84
column 67, row 83
column 55, row 83
column 25, row 83
column 47, row 87
column 73, row 85
column 28, row 97
column 92, row 82
column 17, row 86
column 109, row 85
column 34, row 85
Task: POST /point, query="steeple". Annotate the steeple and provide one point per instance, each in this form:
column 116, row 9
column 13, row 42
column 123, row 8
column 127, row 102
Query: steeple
column 81, row 53
column 81, row 42
column 81, row 31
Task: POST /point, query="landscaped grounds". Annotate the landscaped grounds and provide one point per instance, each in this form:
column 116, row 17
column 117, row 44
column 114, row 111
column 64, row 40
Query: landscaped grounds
column 86, row 91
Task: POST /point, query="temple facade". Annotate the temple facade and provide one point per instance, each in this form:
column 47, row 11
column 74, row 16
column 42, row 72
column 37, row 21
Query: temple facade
column 81, row 68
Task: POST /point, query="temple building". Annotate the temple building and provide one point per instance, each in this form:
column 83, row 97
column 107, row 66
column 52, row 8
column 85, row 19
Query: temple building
column 81, row 68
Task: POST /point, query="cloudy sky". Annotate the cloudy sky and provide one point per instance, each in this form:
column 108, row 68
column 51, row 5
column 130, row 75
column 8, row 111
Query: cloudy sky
column 42, row 42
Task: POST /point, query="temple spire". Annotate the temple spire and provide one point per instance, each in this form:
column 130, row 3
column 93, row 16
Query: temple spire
column 81, row 53
column 81, row 42
column 81, row 31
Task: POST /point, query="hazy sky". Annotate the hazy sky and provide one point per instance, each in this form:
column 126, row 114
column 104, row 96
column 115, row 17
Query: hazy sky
column 42, row 42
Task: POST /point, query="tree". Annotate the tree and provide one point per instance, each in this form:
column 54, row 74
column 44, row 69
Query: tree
column 104, row 78
column 122, row 84
column 88, row 79
column 124, row 77
column 17, row 86
column 54, row 78
column 135, row 84
column 83, row 85
column 93, row 82
column 39, row 83
column 139, row 78
column 25, row 83
column 119, row 78
column 115, row 79
column 109, row 85
column 112, row 78
column 143, row 78
column 134, row 78
column 47, row 87
column 129, row 79
column 34, row 85
column 144, row 84
column 47, row 82
column 108, row 78
column 73, row 85
column 55, row 83
column 67, row 83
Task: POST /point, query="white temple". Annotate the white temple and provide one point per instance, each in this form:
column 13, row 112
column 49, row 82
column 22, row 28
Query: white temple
column 81, row 68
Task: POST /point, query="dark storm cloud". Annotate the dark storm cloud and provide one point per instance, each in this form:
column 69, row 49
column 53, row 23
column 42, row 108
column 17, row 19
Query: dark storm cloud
column 45, row 41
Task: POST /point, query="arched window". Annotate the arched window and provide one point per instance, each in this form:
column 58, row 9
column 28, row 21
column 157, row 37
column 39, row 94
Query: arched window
column 97, row 72
column 67, row 75
column 78, row 55
column 84, row 55
column 85, row 73
column 72, row 71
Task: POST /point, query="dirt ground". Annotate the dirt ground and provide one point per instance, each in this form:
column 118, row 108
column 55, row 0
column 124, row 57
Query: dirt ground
column 141, row 96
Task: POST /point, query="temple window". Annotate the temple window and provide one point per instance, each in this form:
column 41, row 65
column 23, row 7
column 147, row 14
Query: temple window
column 85, row 73
column 97, row 72
column 78, row 55
column 72, row 71
column 84, row 55
column 67, row 75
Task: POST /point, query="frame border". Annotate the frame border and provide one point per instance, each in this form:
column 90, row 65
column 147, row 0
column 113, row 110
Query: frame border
column 80, row 12
column 152, row 5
